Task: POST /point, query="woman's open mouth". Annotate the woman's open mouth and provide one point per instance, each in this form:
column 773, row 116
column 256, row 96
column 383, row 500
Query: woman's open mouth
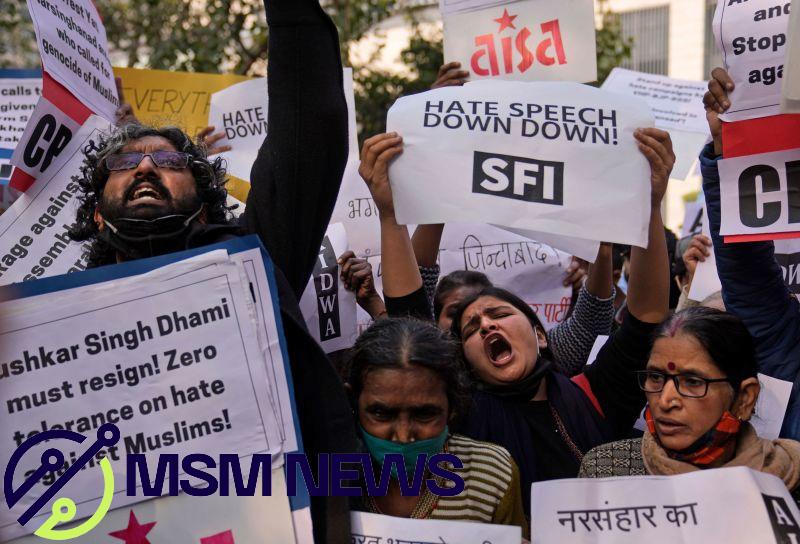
column 497, row 349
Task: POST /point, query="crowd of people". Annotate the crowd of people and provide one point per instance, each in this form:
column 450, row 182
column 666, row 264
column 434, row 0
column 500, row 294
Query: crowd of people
column 456, row 364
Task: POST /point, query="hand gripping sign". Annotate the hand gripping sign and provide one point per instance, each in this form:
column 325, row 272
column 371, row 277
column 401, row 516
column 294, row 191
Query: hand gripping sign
column 555, row 158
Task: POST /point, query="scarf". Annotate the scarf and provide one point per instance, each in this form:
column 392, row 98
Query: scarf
column 710, row 449
column 522, row 390
column 779, row 457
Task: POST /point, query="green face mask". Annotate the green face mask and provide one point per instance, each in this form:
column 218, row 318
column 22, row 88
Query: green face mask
column 379, row 447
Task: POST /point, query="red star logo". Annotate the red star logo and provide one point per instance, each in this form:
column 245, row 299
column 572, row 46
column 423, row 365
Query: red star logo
column 135, row 533
column 506, row 21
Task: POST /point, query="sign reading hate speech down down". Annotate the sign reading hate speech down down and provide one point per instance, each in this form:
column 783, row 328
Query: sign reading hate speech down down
column 564, row 162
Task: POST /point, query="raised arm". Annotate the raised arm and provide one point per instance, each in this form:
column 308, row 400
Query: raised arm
column 571, row 341
column 752, row 281
column 610, row 380
column 402, row 283
column 296, row 176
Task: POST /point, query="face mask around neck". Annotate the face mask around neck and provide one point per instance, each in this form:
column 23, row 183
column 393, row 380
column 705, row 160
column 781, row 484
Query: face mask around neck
column 136, row 238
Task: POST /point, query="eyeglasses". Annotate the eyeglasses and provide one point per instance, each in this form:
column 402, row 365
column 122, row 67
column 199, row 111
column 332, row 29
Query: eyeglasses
column 176, row 160
column 687, row 385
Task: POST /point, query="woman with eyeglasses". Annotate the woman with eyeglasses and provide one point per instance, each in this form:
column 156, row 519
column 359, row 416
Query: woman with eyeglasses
column 701, row 386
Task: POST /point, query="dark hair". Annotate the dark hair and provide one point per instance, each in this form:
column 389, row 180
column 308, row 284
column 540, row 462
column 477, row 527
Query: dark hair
column 722, row 335
column 455, row 280
column 209, row 176
column 506, row 296
column 403, row 343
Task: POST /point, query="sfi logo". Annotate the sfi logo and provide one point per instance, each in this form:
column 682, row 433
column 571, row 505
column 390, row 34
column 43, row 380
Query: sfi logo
column 52, row 460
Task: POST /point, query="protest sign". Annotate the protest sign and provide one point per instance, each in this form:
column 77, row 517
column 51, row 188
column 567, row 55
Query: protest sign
column 760, row 194
column 717, row 505
column 787, row 253
column 328, row 306
column 692, row 219
column 563, row 164
column 677, row 105
column 529, row 40
column 190, row 355
column 19, row 92
column 33, row 230
column 201, row 520
column 752, row 37
column 532, row 270
column 579, row 247
column 369, row 528
column 790, row 91
column 705, row 281
column 771, row 406
column 72, row 43
column 356, row 210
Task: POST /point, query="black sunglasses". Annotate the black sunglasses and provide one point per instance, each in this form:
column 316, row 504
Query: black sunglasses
column 687, row 385
column 177, row 160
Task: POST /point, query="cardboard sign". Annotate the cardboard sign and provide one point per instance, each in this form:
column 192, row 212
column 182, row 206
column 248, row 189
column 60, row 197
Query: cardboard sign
column 752, row 36
column 760, row 194
column 327, row 305
column 376, row 529
column 33, row 230
column 530, row 40
column 563, row 162
column 717, row 505
column 74, row 49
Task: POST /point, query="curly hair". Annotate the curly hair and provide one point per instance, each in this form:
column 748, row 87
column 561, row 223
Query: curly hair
column 210, row 177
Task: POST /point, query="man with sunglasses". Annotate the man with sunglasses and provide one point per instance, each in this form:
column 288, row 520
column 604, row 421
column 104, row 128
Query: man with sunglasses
column 147, row 191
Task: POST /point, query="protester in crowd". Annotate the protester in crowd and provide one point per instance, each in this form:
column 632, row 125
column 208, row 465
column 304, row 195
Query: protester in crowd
column 148, row 191
column 548, row 437
column 407, row 386
column 701, row 385
column 752, row 281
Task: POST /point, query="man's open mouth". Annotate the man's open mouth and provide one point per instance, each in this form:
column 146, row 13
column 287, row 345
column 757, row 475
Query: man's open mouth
column 145, row 192
column 497, row 349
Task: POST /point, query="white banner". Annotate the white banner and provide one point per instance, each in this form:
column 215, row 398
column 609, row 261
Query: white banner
column 790, row 91
column 787, row 253
column 564, row 164
column 760, row 193
column 33, row 231
column 752, row 36
column 175, row 364
column 18, row 97
column 327, row 305
column 677, row 105
column 374, row 529
column 74, row 49
column 531, row 270
column 718, row 505
column 529, row 40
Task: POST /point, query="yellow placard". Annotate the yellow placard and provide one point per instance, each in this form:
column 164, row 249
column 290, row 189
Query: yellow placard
column 182, row 99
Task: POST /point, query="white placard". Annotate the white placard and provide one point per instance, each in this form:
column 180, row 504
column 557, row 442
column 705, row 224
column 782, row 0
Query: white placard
column 74, row 49
column 240, row 111
column 532, row 270
column 790, row 91
column 716, row 505
column 677, row 104
column 579, row 247
column 759, row 193
column 787, row 253
column 752, row 36
column 41, row 149
column 557, row 158
column 175, row 364
column 18, row 97
column 33, row 231
column 529, row 40
column 356, row 210
column 705, row 281
column 599, row 342
column 771, row 406
column 201, row 520
column 369, row 528
column 692, row 219
column 328, row 307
